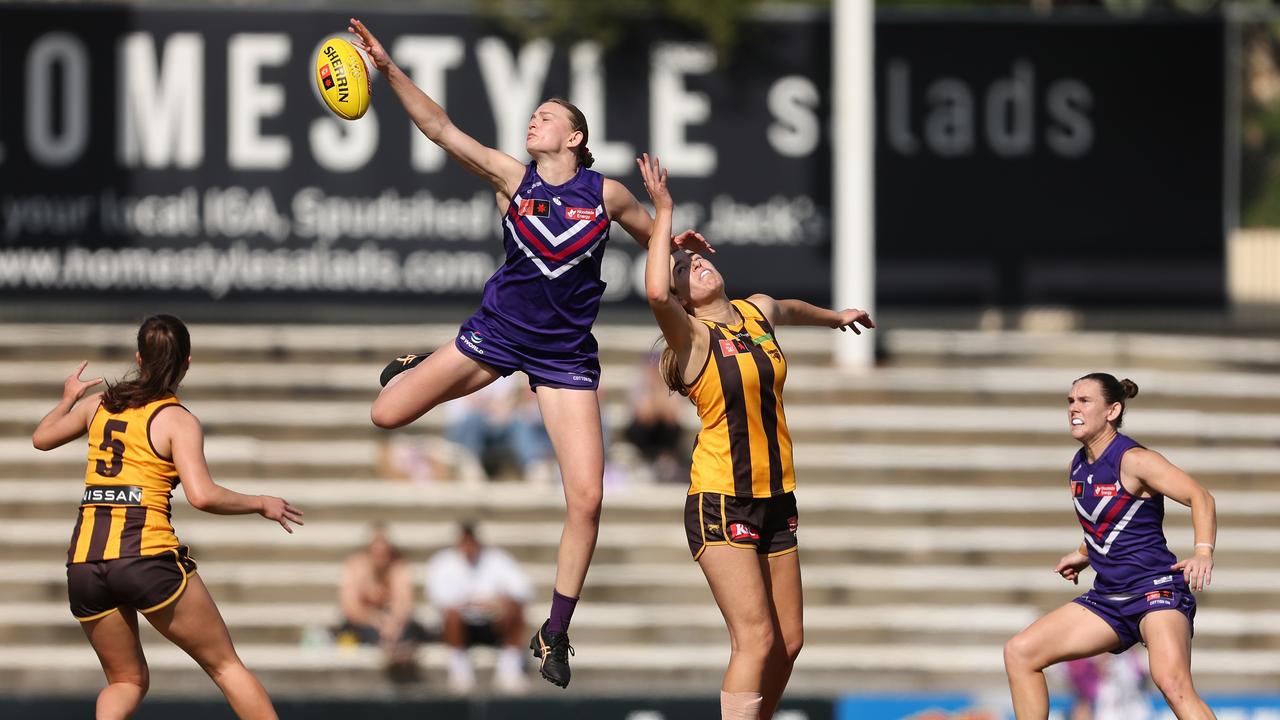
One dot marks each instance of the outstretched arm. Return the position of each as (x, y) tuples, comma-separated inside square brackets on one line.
[(671, 316), (69, 419), (186, 446), (799, 312), (500, 170), (623, 207)]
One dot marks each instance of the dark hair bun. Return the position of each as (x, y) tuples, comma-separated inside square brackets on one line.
[(586, 157), (1130, 388)]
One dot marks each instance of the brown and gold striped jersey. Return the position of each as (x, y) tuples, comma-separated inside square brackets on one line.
[(744, 447), (125, 509)]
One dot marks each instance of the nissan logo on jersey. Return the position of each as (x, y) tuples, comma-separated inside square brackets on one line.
[(112, 495)]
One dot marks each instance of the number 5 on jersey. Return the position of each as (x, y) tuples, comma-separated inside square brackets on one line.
[(115, 446)]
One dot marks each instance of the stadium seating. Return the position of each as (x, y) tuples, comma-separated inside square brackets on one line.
[(931, 496)]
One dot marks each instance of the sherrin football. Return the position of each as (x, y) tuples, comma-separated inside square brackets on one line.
[(343, 79)]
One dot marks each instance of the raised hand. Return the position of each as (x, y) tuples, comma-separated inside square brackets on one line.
[(278, 509), (73, 388), (850, 319), (369, 44), (655, 182), (692, 241)]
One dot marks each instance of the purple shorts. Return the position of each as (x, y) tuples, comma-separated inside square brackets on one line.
[(1124, 616), (576, 368)]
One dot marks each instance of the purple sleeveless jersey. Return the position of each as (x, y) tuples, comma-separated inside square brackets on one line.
[(1124, 534), (547, 293)]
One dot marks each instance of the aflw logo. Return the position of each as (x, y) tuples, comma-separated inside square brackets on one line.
[(112, 495)]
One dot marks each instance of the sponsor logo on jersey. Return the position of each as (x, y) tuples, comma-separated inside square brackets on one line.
[(573, 213), (727, 348), (1162, 580), (793, 523), (742, 531), (1157, 594), (556, 200), (1077, 489), (1104, 490), (112, 495), (535, 208), (762, 339), (473, 346), (580, 378)]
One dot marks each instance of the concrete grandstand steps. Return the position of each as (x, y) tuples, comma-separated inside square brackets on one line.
[(853, 583), (932, 505), (329, 342), (817, 463), (862, 666), (597, 624), (281, 419), (1096, 349), (817, 383)]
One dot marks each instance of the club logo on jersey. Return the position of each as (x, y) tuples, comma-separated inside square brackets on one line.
[(326, 77), (1077, 489), (573, 213), (535, 208), (742, 531), (112, 495), (1104, 490), (713, 529)]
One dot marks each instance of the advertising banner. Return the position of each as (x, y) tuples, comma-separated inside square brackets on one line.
[(185, 154), (1064, 159)]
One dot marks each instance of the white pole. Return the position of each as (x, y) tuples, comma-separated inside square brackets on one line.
[(853, 239)]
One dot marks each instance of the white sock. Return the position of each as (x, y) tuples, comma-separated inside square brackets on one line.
[(740, 705), (460, 666), (510, 661)]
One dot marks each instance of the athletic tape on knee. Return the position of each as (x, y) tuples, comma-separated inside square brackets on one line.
[(740, 705)]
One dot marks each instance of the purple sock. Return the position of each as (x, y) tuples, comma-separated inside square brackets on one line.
[(561, 612)]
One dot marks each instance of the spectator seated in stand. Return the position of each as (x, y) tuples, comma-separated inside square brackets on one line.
[(376, 597), (480, 593)]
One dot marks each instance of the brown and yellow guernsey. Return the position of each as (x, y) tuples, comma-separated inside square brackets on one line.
[(125, 510), (744, 448)]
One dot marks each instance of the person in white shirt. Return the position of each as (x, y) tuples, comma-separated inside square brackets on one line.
[(480, 594)]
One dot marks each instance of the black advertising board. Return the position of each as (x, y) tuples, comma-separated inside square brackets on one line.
[(1067, 160), (181, 156)]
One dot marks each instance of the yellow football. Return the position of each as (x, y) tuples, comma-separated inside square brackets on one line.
[(343, 79)]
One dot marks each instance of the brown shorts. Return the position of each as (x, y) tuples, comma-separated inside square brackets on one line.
[(146, 584), (766, 525)]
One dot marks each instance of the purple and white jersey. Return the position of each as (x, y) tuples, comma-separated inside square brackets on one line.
[(1124, 533), (547, 292)]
